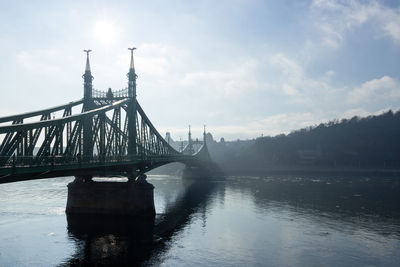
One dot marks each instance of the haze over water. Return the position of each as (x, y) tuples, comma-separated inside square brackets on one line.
[(253, 221)]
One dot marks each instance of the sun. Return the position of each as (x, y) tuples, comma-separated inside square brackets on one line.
[(105, 32)]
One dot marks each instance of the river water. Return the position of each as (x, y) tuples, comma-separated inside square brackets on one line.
[(240, 221)]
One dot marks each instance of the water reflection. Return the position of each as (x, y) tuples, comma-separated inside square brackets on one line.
[(360, 202), (252, 221), (107, 240), (110, 239), (352, 206)]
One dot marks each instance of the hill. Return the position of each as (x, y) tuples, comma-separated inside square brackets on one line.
[(370, 143)]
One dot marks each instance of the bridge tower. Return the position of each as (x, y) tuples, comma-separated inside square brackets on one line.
[(86, 147), (132, 134), (135, 197), (87, 84), (204, 136), (190, 149)]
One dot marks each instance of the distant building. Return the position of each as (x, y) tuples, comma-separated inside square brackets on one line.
[(209, 138), (168, 138)]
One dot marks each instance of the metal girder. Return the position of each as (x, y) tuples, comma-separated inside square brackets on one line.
[(45, 123), (59, 142), (22, 116), (111, 134)]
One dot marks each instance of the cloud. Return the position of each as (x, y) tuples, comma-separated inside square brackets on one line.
[(153, 65), (49, 76), (289, 90), (235, 98), (350, 113), (268, 125), (360, 112), (287, 122), (288, 66), (384, 88), (40, 61), (159, 59), (297, 86), (336, 18), (228, 82)]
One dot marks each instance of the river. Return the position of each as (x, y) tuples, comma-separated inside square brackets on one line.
[(239, 221)]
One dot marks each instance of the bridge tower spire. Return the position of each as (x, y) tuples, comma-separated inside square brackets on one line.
[(132, 110), (189, 136), (132, 76), (87, 144), (87, 83), (204, 135), (190, 143)]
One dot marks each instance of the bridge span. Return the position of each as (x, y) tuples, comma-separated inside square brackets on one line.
[(105, 134)]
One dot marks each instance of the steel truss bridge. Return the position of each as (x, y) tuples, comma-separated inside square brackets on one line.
[(107, 133)]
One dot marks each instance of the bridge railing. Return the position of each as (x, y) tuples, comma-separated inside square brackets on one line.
[(29, 161)]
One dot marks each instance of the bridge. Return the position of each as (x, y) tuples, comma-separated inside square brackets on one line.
[(105, 134)]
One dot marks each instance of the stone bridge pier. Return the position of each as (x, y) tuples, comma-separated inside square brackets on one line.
[(134, 198)]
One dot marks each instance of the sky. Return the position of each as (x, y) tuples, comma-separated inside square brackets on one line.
[(244, 68)]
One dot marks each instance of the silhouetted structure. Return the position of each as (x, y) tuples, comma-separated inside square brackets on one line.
[(112, 136)]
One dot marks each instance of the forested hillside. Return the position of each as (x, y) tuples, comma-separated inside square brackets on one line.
[(359, 143)]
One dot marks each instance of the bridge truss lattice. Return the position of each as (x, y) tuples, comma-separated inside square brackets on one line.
[(105, 133)]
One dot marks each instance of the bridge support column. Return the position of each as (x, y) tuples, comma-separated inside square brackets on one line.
[(119, 198)]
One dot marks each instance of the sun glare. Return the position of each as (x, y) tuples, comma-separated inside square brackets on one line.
[(105, 32)]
